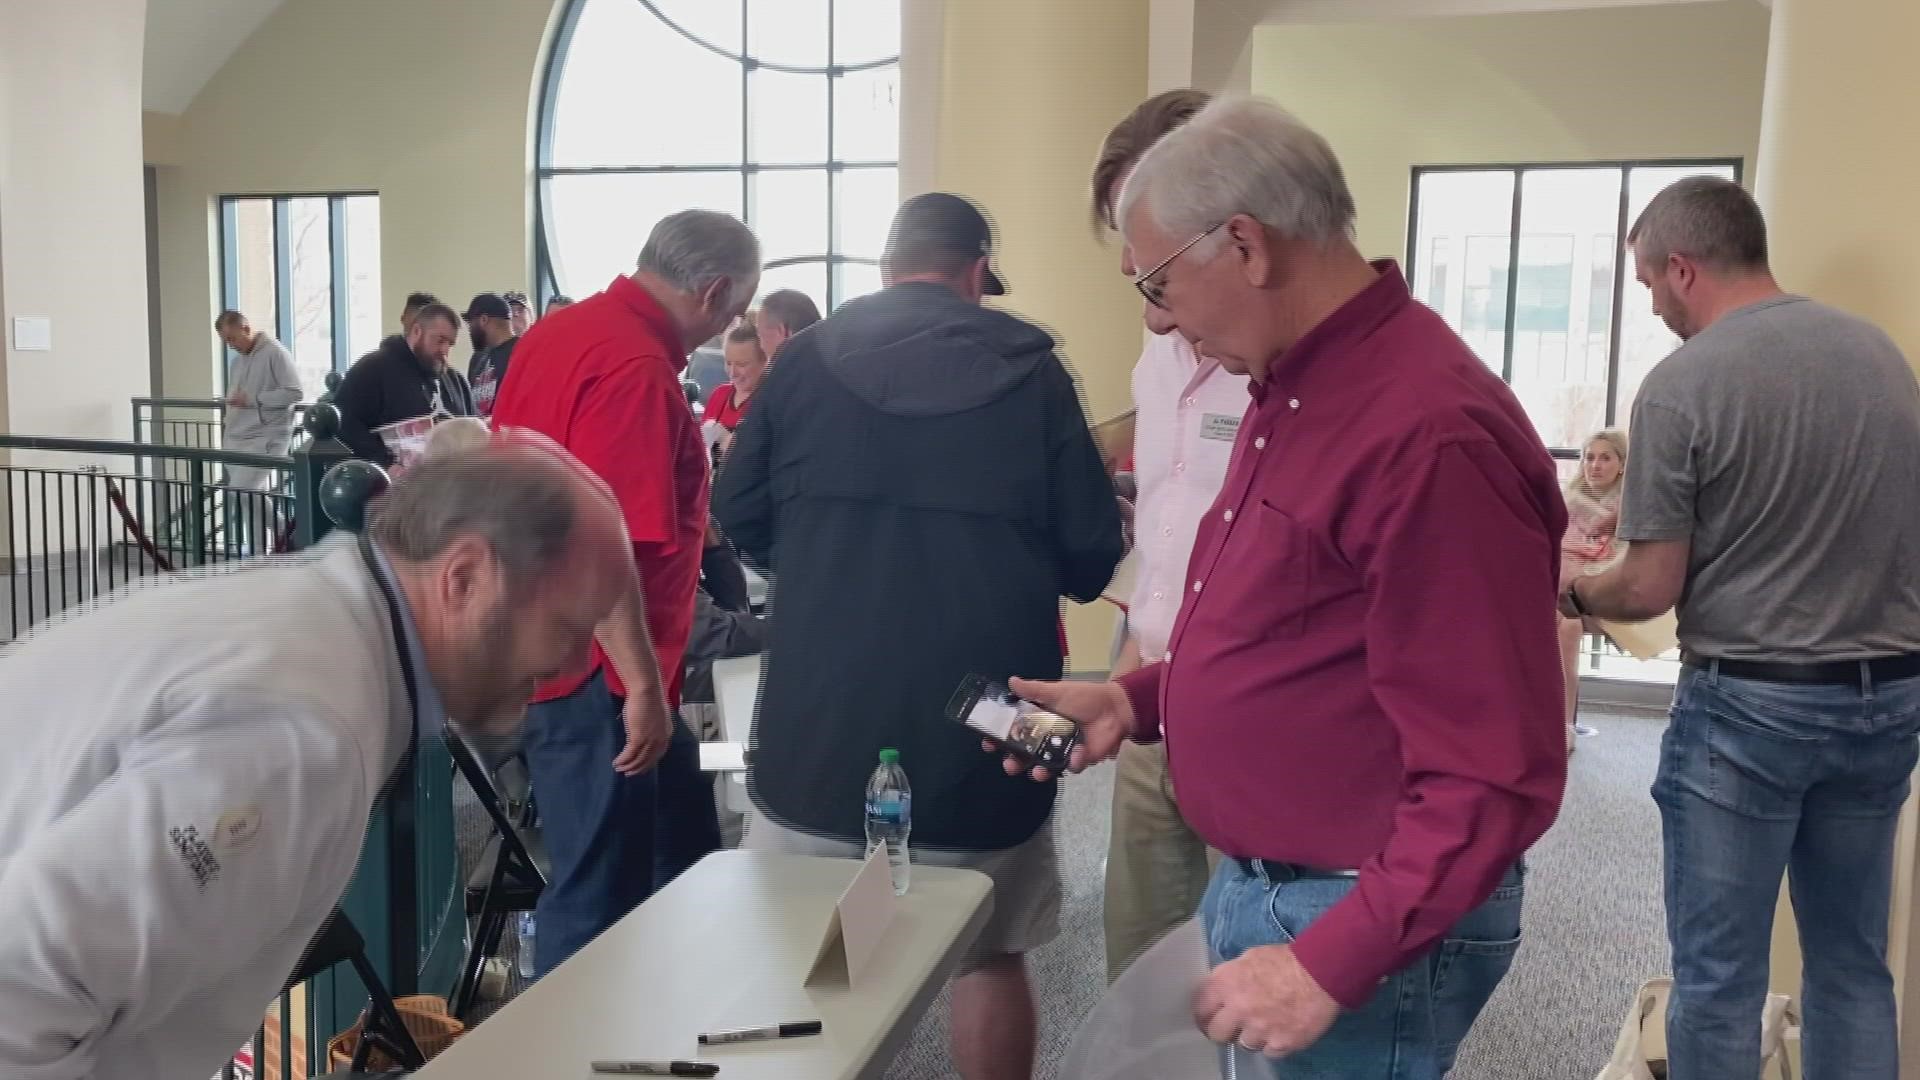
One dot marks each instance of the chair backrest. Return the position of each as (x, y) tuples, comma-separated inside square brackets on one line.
[(736, 691), (490, 799)]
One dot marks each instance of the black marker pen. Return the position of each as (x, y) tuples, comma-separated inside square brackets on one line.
[(657, 1068), (794, 1030)]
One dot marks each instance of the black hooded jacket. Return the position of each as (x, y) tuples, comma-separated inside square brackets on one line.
[(917, 474)]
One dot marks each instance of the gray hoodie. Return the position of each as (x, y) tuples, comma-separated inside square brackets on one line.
[(267, 376)]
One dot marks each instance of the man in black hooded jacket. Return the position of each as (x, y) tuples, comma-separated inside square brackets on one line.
[(918, 475), (406, 378)]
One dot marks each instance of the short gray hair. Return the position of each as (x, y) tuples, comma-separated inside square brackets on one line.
[(523, 506), (1712, 221), (692, 248), (1242, 155)]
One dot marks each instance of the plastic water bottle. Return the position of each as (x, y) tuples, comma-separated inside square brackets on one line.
[(890, 815), (524, 930)]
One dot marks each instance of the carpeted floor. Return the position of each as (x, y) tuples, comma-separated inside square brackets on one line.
[(1594, 926)]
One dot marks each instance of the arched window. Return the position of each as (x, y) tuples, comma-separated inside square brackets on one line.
[(783, 112)]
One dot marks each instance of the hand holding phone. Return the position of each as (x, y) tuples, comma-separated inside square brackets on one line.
[(1102, 714), (1018, 727)]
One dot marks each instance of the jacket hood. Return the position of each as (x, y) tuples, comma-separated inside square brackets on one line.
[(919, 349)]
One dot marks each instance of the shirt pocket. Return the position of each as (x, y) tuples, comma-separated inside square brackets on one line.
[(1260, 584)]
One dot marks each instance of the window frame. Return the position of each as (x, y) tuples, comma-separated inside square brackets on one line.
[(338, 316), (1519, 170), (546, 280)]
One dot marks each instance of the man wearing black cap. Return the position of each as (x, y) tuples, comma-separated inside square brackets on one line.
[(938, 493), (490, 326)]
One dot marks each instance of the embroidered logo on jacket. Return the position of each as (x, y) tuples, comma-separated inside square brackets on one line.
[(195, 853)]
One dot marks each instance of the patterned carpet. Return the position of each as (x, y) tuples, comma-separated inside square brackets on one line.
[(1594, 926)]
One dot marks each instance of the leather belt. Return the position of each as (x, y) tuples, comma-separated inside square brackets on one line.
[(1880, 669), (1276, 873)]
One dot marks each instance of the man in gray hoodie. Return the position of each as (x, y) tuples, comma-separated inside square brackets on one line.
[(262, 389)]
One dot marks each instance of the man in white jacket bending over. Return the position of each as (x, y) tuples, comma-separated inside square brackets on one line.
[(190, 767)]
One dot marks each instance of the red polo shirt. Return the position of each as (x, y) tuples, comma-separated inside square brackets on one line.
[(602, 378), (723, 409), (1364, 675)]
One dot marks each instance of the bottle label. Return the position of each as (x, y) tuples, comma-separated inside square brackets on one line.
[(893, 806)]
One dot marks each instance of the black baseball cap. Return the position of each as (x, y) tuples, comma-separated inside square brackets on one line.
[(938, 225), (488, 304)]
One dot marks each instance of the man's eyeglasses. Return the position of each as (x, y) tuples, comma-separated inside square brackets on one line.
[(1155, 292)]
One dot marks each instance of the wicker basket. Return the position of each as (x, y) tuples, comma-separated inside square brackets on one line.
[(426, 1019)]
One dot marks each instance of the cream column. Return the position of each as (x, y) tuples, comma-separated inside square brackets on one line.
[(1028, 90), (1836, 180)]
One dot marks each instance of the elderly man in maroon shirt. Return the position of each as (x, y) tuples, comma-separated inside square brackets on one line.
[(1361, 695)]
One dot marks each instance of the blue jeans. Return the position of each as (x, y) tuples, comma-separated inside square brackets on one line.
[(612, 839), (1413, 1025), (1758, 779)]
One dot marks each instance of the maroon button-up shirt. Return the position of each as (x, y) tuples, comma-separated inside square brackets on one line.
[(1364, 674)]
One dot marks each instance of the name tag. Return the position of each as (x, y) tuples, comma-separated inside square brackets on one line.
[(1219, 426)]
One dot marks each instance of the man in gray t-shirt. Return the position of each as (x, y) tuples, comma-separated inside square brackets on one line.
[(1771, 493)]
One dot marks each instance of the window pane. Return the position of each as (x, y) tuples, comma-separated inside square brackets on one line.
[(856, 279), (251, 277), (1567, 220), (596, 225), (364, 326), (864, 202), (808, 277), (1470, 213), (1644, 339), (789, 213), (866, 115), (789, 121), (865, 30), (620, 54), (792, 32), (716, 22), (310, 265)]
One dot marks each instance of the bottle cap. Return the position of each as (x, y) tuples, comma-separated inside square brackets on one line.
[(889, 756)]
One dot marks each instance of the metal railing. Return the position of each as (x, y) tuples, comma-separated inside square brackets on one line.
[(197, 423), (80, 518)]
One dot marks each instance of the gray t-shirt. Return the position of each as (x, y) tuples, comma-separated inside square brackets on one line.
[(1784, 441)]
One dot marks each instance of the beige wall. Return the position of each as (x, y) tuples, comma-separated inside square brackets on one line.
[(72, 216), (426, 102), (1058, 81), (1680, 80)]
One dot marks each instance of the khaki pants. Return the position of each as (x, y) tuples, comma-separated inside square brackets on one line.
[(1157, 869)]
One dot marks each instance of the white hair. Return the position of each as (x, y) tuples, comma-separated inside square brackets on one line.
[(1241, 155), (692, 248), (459, 434)]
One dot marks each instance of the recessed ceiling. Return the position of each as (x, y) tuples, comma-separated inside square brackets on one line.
[(189, 40)]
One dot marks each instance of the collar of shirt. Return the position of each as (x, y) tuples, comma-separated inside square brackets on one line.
[(430, 715), (1303, 368), (642, 303)]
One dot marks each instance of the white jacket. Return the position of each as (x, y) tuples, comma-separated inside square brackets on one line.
[(185, 783)]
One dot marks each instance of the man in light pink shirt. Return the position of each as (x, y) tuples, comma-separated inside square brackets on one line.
[(1187, 411)]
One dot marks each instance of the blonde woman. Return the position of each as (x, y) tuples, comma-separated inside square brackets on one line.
[(1593, 508)]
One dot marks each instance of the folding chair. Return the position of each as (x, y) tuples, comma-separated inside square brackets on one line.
[(512, 871), (339, 941)]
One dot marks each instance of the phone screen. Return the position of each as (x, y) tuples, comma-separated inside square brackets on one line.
[(1001, 715)]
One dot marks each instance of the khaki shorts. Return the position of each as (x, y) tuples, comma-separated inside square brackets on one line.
[(1026, 882)]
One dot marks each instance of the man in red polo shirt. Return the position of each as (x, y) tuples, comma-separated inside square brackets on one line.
[(602, 378)]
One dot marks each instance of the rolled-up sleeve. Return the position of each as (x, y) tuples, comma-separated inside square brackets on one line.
[(1462, 658)]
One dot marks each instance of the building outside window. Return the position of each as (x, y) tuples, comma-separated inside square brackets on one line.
[(1571, 331), (305, 268), (784, 113)]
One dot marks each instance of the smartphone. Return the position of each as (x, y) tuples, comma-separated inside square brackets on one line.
[(1014, 724)]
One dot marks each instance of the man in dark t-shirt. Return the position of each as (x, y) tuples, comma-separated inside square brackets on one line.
[(490, 326)]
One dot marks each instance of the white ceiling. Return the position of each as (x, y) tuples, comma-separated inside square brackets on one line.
[(189, 40)]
